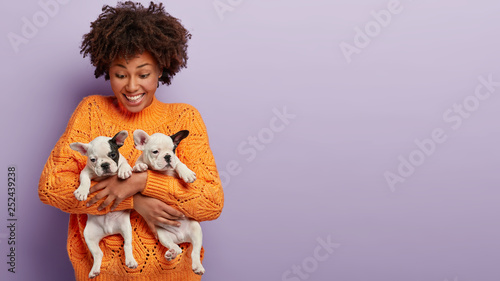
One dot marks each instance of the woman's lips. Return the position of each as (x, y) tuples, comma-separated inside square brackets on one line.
[(134, 99)]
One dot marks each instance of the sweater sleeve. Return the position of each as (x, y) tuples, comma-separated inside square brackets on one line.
[(203, 199), (61, 174)]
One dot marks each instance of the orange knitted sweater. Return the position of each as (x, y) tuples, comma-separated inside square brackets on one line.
[(201, 200)]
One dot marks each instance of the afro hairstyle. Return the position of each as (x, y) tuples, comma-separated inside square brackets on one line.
[(130, 29)]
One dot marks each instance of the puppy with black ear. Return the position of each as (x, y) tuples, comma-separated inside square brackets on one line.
[(158, 153), (104, 160)]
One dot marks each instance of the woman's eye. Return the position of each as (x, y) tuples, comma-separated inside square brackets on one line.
[(144, 76), (119, 76), (155, 151)]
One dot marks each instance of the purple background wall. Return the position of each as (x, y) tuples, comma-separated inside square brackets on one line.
[(389, 152)]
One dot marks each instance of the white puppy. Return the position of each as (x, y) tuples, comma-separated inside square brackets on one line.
[(104, 160), (158, 153)]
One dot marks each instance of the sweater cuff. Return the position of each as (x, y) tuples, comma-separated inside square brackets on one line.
[(160, 186), (126, 204)]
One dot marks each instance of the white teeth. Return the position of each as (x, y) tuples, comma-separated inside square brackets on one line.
[(133, 98)]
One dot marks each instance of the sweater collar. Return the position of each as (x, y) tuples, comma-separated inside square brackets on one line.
[(151, 115)]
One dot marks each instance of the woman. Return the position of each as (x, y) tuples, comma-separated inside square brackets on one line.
[(135, 48)]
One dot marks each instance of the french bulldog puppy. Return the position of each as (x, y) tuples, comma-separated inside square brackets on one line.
[(158, 153), (104, 160)]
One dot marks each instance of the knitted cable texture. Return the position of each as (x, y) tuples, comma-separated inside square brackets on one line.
[(201, 200)]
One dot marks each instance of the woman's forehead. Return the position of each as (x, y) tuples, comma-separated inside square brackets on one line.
[(137, 60)]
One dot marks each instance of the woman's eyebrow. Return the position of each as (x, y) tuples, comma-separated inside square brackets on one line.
[(142, 65)]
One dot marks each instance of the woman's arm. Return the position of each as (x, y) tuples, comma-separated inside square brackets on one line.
[(204, 198), (201, 200), (154, 211), (60, 176)]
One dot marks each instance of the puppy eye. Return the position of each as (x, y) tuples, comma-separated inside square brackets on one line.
[(92, 159), (112, 155), (155, 151)]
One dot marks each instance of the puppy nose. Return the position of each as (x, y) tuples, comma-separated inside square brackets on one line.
[(167, 158), (105, 165)]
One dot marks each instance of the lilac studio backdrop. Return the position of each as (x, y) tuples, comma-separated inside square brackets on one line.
[(356, 140)]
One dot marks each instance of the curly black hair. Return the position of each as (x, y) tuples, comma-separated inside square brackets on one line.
[(130, 29)]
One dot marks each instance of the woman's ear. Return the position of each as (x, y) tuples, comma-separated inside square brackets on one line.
[(159, 76), (160, 70)]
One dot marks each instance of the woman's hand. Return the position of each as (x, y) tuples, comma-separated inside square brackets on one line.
[(156, 212), (116, 190)]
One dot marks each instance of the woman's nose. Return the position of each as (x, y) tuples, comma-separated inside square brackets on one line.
[(132, 85)]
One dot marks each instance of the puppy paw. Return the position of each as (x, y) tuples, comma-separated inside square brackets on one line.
[(140, 167), (125, 172), (94, 273), (189, 178), (131, 263), (172, 253), (186, 175), (81, 194), (198, 269)]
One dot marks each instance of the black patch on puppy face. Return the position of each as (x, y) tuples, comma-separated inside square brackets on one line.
[(114, 154)]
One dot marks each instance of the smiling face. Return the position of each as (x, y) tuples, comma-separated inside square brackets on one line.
[(134, 82)]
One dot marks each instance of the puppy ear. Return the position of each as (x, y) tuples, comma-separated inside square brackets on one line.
[(80, 147), (140, 139), (177, 137), (119, 138)]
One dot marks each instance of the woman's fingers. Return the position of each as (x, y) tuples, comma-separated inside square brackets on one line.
[(152, 226), (96, 198), (172, 212), (98, 186), (116, 190), (164, 221), (106, 203), (115, 204)]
